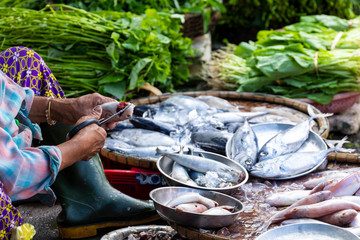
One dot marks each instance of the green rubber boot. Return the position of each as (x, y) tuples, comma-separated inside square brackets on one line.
[(89, 203)]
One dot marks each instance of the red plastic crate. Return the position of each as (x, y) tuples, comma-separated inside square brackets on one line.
[(135, 182)]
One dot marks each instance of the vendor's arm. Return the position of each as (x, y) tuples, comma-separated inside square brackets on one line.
[(66, 110), (26, 172)]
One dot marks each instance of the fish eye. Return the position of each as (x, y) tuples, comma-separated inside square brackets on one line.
[(248, 162), (263, 154)]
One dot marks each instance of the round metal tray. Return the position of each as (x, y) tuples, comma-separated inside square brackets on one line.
[(302, 231), (164, 164), (161, 196), (265, 131)]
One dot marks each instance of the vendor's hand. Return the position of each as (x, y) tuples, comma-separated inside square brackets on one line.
[(82, 106), (91, 138)]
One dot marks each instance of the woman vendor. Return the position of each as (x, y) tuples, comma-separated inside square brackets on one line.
[(30, 95)]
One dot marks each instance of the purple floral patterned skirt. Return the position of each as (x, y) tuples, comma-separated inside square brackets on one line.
[(28, 69), (9, 215)]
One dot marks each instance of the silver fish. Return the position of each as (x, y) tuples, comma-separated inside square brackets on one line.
[(195, 175), (230, 117), (212, 141), (203, 165), (143, 138), (289, 140), (243, 146), (149, 152), (180, 173), (217, 102), (289, 164)]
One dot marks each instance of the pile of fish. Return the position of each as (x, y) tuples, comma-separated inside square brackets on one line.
[(201, 123), (213, 124), (201, 171), (334, 199), (196, 203)]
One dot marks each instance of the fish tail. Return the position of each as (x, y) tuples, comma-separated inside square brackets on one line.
[(337, 149), (314, 115)]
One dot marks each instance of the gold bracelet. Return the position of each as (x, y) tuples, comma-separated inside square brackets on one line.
[(47, 113)]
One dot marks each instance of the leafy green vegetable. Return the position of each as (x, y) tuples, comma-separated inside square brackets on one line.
[(299, 62), (106, 52), (137, 7)]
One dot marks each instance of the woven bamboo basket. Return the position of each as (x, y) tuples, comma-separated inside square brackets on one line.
[(194, 24), (250, 99)]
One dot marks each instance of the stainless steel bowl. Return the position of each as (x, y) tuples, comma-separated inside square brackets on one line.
[(164, 165), (161, 196), (302, 231)]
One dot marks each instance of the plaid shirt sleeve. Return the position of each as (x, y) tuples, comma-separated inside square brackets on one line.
[(24, 170)]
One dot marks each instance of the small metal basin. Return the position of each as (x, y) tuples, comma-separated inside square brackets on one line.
[(161, 196), (164, 165)]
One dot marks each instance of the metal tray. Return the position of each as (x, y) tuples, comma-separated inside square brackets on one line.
[(303, 231), (164, 165), (161, 196), (265, 131)]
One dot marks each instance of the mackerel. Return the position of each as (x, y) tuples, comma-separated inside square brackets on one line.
[(289, 140), (243, 146), (289, 164), (180, 173)]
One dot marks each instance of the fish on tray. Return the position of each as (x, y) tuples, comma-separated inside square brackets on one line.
[(289, 164), (212, 141), (196, 203), (289, 140), (204, 165), (143, 138), (243, 146), (153, 125)]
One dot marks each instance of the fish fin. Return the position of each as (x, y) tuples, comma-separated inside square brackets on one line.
[(313, 115), (158, 152), (338, 145)]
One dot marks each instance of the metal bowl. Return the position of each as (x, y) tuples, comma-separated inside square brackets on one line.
[(265, 131), (308, 231), (123, 233), (164, 165), (161, 196)]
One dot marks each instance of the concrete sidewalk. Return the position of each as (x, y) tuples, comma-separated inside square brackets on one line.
[(44, 220)]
